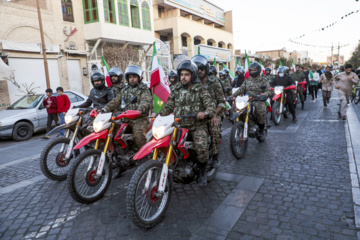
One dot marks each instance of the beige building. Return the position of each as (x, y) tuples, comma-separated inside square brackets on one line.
[(274, 54), (195, 26), (64, 38), (76, 33)]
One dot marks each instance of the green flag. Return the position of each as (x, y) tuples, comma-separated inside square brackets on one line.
[(214, 63), (199, 50), (238, 64), (230, 72), (280, 63)]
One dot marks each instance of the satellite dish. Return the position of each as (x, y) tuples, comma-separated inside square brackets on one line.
[(179, 59)]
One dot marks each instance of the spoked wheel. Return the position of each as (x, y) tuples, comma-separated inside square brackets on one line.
[(84, 185), (275, 114), (211, 170), (145, 205), (265, 131), (52, 159), (357, 96), (237, 143)]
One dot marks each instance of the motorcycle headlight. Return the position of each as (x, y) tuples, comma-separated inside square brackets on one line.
[(98, 126), (240, 105), (278, 91), (159, 132), (68, 119)]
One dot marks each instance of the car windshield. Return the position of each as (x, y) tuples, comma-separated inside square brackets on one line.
[(26, 102)]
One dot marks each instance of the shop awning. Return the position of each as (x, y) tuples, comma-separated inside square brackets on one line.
[(29, 47)]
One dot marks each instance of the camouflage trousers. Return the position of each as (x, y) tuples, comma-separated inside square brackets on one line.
[(260, 111), (215, 133), (139, 127), (200, 138), (301, 93)]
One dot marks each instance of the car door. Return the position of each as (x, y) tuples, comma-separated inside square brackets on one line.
[(41, 114)]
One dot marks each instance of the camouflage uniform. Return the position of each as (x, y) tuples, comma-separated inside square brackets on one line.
[(172, 86), (143, 104), (268, 77), (217, 95), (299, 77), (117, 88), (226, 83), (194, 99), (253, 87)]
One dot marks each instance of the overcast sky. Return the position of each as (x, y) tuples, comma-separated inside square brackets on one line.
[(268, 24)]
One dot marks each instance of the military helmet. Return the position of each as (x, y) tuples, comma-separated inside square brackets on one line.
[(133, 70), (222, 73), (257, 66), (212, 70), (239, 69), (173, 74), (201, 61), (190, 66), (116, 72), (286, 70), (97, 76), (281, 69), (226, 70)]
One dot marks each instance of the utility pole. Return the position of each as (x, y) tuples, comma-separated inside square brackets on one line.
[(43, 46)]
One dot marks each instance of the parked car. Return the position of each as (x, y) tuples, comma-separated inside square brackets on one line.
[(28, 115)]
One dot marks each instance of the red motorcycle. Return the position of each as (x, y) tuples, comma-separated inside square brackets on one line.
[(280, 107), (174, 159), (91, 173)]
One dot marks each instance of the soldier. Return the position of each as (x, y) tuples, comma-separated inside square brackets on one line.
[(134, 88), (100, 95), (173, 79), (240, 78), (299, 77), (227, 82), (217, 96), (268, 74), (188, 98), (252, 87), (116, 77)]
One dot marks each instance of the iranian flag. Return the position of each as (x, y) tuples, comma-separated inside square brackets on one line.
[(268, 105), (232, 76), (214, 63), (280, 63), (262, 68), (158, 83), (293, 65), (106, 72), (247, 64), (237, 63)]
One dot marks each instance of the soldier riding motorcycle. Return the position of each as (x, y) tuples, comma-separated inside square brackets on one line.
[(116, 76), (250, 117), (180, 150)]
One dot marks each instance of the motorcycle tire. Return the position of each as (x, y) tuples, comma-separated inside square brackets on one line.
[(276, 117), (211, 171), (238, 147), (80, 174), (286, 111), (265, 132), (56, 169), (140, 201)]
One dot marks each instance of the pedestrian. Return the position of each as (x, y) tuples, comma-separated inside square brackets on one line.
[(63, 105), (320, 74), (343, 82), (314, 81), (51, 108), (306, 73), (327, 85)]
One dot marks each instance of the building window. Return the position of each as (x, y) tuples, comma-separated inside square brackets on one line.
[(184, 41), (123, 12), (135, 17), (146, 16), (109, 11), (90, 11), (67, 10), (163, 38), (209, 43), (220, 45)]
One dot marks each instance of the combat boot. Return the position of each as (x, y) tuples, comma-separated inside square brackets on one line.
[(216, 162), (202, 180), (261, 132), (302, 105)]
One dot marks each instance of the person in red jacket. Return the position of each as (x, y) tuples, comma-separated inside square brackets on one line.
[(63, 105), (49, 103)]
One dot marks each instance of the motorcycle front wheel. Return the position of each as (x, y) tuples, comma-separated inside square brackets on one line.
[(275, 114), (145, 206), (52, 160), (83, 183), (237, 143)]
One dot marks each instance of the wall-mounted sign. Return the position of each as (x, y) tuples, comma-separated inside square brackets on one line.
[(221, 54), (199, 8)]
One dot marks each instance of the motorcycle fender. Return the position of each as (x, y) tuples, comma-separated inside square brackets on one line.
[(235, 116), (276, 97), (150, 146), (119, 134), (95, 135), (58, 128)]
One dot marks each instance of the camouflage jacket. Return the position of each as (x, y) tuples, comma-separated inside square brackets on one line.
[(252, 87), (268, 77), (183, 101), (226, 82), (216, 93), (298, 76), (143, 103), (172, 86), (117, 88)]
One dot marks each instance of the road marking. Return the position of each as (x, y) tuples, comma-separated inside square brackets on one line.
[(21, 184), (19, 161)]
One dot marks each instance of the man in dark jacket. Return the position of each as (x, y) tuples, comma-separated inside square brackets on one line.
[(51, 108), (240, 78)]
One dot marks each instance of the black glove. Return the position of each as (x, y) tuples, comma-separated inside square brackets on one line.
[(75, 107)]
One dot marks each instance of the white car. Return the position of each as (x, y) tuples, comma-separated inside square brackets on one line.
[(28, 115)]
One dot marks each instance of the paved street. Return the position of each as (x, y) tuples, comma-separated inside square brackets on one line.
[(301, 183)]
